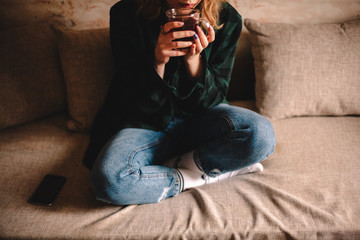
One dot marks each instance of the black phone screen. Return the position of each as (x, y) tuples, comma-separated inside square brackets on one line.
[(47, 191)]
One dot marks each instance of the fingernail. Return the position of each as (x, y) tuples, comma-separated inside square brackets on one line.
[(207, 25), (196, 36)]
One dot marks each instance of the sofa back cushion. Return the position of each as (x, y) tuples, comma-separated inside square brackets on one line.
[(88, 67), (31, 84), (306, 69)]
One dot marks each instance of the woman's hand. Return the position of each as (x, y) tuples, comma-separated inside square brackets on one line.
[(166, 47), (193, 59), (201, 41)]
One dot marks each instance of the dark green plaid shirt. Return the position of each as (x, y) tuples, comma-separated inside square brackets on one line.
[(138, 96)]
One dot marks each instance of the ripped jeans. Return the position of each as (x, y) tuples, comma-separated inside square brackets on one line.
[(225, 138)]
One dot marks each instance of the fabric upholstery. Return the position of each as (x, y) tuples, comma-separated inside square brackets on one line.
[(308, 190), (88, 67), (309, 69), (31, 85)]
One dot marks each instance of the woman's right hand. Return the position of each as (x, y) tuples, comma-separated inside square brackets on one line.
[(166, 47)]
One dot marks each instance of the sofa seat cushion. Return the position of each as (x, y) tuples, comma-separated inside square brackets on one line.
[(308, 190)]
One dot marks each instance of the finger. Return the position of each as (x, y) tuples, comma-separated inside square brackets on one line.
[(198, 44), (164, 54), (211, 36), (172, 25), (177, 53), (202, 37), (181, 44), (181, 34), (192, 50)]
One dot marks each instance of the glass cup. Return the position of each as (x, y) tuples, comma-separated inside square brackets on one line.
[(190, 18)]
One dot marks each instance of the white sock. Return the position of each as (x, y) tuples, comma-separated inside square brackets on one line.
[(257, 167), (194, 177)]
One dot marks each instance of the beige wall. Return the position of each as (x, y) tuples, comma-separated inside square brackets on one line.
[(72, 13), (94, 13), (299, 11)]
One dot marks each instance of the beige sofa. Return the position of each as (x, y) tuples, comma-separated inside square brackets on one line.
[(53, 81)]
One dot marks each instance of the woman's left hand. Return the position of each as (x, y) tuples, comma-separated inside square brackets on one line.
[(192, 58), (201, 41)]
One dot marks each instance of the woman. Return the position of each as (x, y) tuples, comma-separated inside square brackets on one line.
[(166, 102)]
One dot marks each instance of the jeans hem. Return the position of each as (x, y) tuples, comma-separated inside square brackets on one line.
[(180, 180)]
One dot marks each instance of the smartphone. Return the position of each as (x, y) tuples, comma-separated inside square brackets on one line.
[(47, 191)]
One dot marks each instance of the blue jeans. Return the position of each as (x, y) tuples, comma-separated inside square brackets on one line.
[(225, 138)]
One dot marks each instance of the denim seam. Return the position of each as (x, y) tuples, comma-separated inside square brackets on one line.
[(230, 122), (138, 150), (155, 175), (179, 181)]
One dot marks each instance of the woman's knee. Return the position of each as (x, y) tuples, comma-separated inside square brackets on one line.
[(257, 134), (113, 188), (110, 182), (265, 134), (262, 140)]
